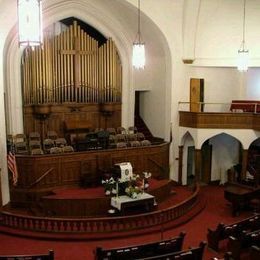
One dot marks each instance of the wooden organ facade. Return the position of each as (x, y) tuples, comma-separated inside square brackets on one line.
[(71, 78)]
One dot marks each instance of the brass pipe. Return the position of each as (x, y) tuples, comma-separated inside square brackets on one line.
[(71, 65), (55, 86), (79, 63), (68, 66), (62, 69), (64, 66), (75, 65)]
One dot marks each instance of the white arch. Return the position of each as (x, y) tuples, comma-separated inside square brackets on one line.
[(95, 14), (245, 136)]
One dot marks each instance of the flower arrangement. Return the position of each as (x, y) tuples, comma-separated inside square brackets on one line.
[(133, 192), (132, 187), (109, 186)]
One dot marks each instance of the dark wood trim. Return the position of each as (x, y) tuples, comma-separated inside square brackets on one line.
[(197, 164), (219, 120), (244, 164), (180, 164)]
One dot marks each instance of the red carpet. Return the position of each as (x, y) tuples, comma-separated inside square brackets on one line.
[(94, 192), (217, 210)]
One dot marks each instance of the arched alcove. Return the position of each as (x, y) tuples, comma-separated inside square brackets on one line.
[(188, 163), (223, 151)]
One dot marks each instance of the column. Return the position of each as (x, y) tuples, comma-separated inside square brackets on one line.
[(244, 164), (180, 164), (197, 164)]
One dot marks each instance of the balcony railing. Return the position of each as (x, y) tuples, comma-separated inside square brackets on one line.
[(237, 115)]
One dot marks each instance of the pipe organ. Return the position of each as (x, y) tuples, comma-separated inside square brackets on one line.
[(71, 77), (70, 67)]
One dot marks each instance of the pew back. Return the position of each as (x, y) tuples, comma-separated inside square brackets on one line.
[(235, 229), (254, 253), (49, 256), (194, 253), (252, 106), (143, 250), (245, 241)]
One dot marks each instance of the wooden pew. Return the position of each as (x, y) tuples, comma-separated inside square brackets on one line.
[(194, 253), (254, 253), (224, 231), (227, 256), (252, 106), (245, 241), (49, 256), (143, 250)]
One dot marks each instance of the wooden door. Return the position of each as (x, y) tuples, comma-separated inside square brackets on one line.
[(206, 155), (196, 94)]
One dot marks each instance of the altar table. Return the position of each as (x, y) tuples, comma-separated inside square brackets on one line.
[(143, 202)]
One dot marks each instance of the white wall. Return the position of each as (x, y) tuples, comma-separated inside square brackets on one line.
[(225, 153), (253, 84)]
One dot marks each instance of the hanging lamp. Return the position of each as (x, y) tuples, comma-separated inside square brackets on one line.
[(243, 52), (138, 58), (30, 22)]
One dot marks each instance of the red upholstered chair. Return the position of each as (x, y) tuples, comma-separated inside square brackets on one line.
[(121, 145), (34, 136), (47, 145), (52, 135), (60, 142)]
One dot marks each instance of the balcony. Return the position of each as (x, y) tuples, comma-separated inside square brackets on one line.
[(220, 115)]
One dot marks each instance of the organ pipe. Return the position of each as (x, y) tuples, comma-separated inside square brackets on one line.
[(71, 67)]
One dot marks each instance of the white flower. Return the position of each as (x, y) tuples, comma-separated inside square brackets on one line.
[(147, 175), (111, 180), (107, 192), (134, 195)]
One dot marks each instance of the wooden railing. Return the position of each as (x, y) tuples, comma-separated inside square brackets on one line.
[(104, 224), (220, 115)]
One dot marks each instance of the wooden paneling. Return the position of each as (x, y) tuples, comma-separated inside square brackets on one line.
[(66, 168), (86, 114), (220, 120)]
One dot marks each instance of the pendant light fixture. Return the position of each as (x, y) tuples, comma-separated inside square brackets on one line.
[(243, 52), (138, 47), (30, 22)]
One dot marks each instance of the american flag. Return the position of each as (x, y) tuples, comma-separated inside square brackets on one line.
[(11, 163)]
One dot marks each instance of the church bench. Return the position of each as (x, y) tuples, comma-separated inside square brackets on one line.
[(252, 106), (247, 239), (142, 250), (227, 256), (254, 253), (49, 256), (223, 231), (194, 253)]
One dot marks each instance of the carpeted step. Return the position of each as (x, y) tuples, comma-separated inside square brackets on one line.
[(197, 208)]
